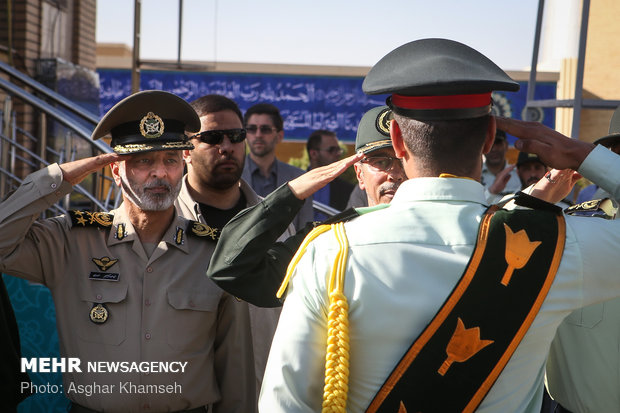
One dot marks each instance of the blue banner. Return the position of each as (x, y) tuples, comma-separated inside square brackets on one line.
[(306, 102)]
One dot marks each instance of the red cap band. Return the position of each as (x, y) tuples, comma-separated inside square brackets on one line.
[(442, 102)]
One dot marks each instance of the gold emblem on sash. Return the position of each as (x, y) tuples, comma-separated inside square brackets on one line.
[(463, 345), (519, 250), (151, 126), (98, 314)]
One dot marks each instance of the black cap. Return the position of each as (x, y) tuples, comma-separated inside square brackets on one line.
[(151, 120), (525, 157), (373, 131), (500, 135), (435, 79), (614, 131)]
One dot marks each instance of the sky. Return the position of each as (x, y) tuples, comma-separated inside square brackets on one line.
[(319, 32)]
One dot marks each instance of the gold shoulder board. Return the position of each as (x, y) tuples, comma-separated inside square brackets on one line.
[(91, 219)]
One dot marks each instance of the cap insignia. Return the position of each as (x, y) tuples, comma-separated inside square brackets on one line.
[(383, 121), (151, 126), (99, 313)]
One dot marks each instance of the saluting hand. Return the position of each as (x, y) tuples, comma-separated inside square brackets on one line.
[(74, 172), (553, 148), (307, 184), (501, 180), (555, 185)]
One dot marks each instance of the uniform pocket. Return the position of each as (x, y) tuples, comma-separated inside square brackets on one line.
[(587, 317), (195, 315), (112, 298)]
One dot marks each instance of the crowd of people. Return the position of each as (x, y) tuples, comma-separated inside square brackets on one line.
[(457, 282)]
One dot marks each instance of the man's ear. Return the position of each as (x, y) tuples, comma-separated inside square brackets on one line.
[(490, 138), (397, 139), (187, 156), (280, 136), (115, 168), (359, 174)]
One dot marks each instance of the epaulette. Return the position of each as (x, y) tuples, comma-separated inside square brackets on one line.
[(601, 208), (204, 231), (91, 219)]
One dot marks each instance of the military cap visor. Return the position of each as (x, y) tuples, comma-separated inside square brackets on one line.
[(373, 131), (150, 120), (525, 157), (434, 79), (614, 131)]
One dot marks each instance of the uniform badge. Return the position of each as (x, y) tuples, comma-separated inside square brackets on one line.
[(104, 263), (151, 126), (203, 230), (99, 313)]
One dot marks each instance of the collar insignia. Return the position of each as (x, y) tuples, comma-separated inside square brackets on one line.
[(120, 232), (99, 313), (178, 238), (151, 126), (104, 263)]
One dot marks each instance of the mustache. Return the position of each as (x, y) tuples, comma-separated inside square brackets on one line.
[(158, 183), (388, 186)]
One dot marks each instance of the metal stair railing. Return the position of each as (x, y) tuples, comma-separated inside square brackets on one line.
[(16, 143)]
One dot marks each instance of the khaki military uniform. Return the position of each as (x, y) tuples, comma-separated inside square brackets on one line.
[(160, 308), (263, 320)]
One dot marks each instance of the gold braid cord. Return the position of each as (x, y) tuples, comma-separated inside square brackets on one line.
[(337, 355)]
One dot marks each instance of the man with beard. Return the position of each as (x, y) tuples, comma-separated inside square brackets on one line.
[(250, 264), (213, 192), (498, 177), (129, 285), (262, 170), (530, 169)]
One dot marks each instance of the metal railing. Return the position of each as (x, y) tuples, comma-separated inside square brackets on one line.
[(64, 130)]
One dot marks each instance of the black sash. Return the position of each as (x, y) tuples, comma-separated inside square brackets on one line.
[(453, 364)]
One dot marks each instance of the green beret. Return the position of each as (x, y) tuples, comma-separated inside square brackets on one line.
[(434, 79), (151, 120)]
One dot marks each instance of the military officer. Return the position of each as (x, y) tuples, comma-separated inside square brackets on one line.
[(583, 369), (248, 264), (129, 285), (413, 297)]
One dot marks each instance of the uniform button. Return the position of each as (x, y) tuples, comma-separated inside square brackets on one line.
[(147, 302), (99, 296), (147, 336), (54, 186), (149, 269)]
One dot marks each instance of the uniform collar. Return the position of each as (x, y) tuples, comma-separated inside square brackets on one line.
[(440, 189), (123, 231)]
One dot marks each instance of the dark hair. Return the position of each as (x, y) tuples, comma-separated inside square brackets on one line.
[(314, 140), (450, 146), (265, 109), (215, 103)]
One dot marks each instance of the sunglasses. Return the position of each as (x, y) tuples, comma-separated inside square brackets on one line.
[(215, 137), (382, 163), (264, 129)]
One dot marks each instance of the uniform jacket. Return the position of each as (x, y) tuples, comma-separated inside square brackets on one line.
[(161, 308), (263, 320), (403, 261)]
